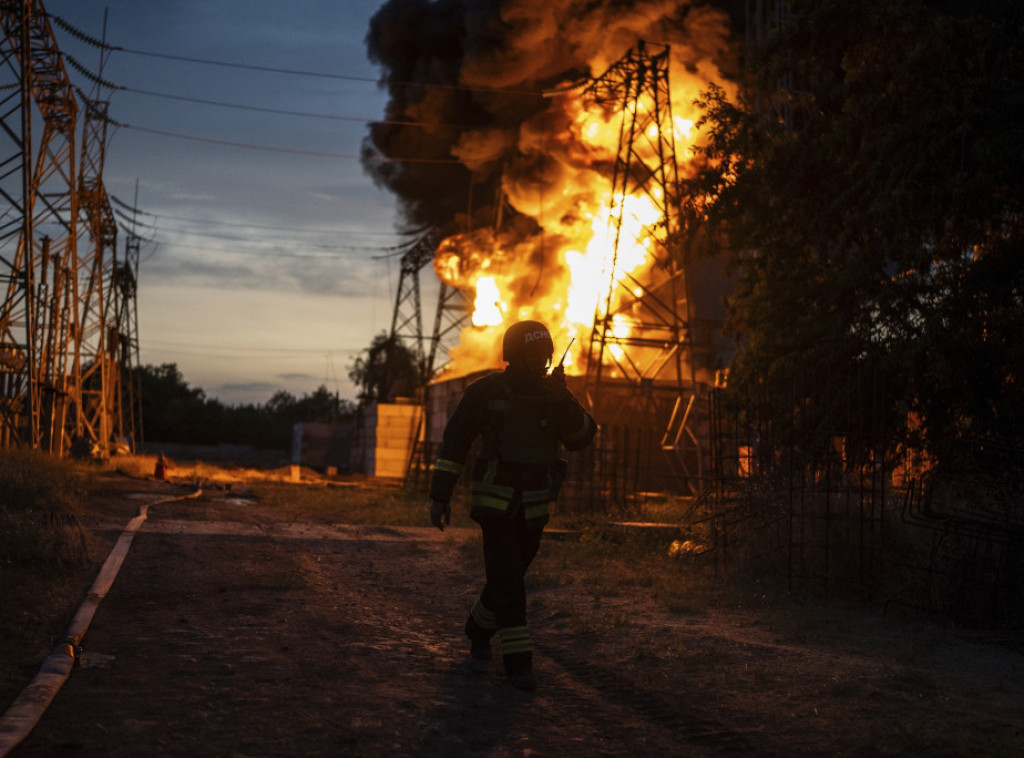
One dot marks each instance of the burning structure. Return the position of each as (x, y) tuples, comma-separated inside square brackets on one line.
[(544, 143)]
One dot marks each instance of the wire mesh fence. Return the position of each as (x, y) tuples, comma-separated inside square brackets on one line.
[(853, 514)]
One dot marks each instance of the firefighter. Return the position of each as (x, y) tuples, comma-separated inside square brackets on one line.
[(521, 415)]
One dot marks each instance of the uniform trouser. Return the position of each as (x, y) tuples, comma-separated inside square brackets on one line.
[(509, 548)]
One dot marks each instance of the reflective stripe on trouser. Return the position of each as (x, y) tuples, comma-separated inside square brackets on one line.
[(484, 618), (515, 639), (452, 467)]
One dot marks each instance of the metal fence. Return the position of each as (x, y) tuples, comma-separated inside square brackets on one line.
[(843, 514)]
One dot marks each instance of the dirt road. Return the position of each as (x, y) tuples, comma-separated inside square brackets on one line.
[(235, 634)]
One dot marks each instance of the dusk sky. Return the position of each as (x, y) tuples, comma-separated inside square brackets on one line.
[(266, 262)]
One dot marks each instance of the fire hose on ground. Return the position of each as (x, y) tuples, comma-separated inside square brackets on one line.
[(28, 708)]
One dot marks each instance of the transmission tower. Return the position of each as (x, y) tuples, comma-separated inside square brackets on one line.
[(453, 307), (98, 420), (640, 366), (37, 233), (407, 318), (126, 338), (454, 310)]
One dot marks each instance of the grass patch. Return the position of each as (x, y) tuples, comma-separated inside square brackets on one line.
[(44, 557), (30, 480), (355, 501), (39, 508)]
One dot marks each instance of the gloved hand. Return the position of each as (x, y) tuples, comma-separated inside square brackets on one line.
[(555, 386), (440, 514)]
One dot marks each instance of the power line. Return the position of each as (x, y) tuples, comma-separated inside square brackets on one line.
[(246, 66), (291, 151), (326, 246), (323, 75), (255, 254), (263, 350), (275, 70), (284, 228), (285, 112)]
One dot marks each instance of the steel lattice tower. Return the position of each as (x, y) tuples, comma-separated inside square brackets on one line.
[(407, 318), (452, 313), (654, 303), (98, 420), (128, 401), (37, 233), (640, 363), (454, 309)]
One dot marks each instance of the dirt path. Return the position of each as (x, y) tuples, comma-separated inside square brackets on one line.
[(238, 635)]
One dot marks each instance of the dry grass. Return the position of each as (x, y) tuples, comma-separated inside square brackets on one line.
[(44, 552)]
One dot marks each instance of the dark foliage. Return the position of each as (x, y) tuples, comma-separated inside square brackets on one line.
[(869, 184), (174, 412), (387, 369)]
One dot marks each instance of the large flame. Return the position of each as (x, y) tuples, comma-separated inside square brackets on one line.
[(574, 263)]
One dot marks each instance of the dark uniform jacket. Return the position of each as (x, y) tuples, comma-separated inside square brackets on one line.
[(521, 420)]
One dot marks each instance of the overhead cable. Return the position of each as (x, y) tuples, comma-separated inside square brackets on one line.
[(325, 246), (130, 209), (253, 350), (132, 232), (291, 151), (304, 229), (131, 219), (282, 112), (338, 256), (323, 75), (293, 72)]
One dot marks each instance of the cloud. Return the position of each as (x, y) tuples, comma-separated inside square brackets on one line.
[(298, 268), (240, 387)]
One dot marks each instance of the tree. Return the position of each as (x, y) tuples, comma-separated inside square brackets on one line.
[(386, 369), (869, 184), (172, 411), (175, 412)]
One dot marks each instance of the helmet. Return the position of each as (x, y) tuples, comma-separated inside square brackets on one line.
[(526, 336)]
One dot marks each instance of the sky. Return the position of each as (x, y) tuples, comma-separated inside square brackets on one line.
[(269, 256)]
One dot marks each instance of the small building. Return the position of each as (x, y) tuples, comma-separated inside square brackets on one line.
[(385, 438), (324, 447)]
